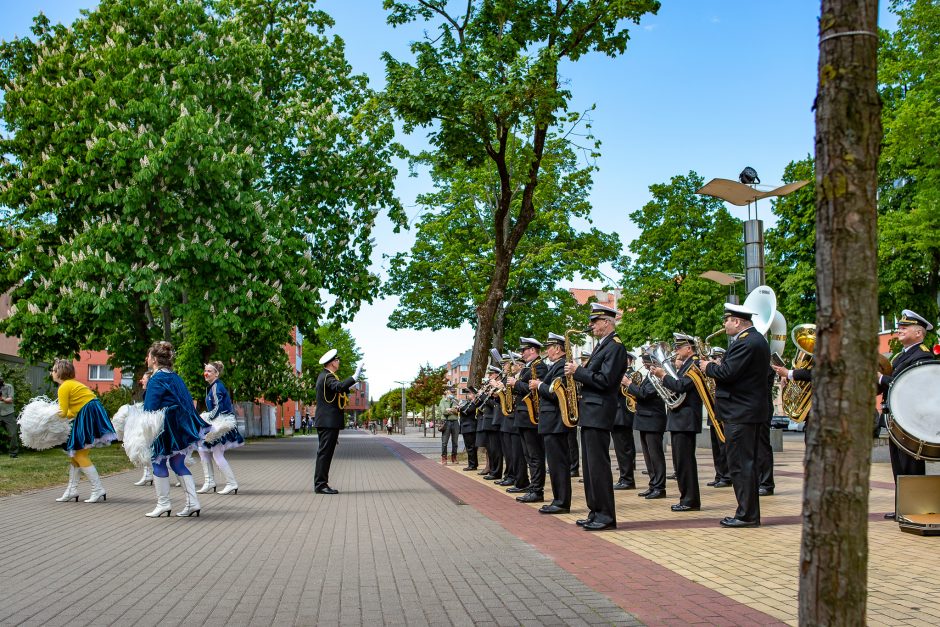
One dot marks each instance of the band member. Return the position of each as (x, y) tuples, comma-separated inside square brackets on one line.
[(912, 328), (492, 423), (796, 374), (600, 384), (479, 431), (765, 452), (468, 428), (650, 421), (526, 418), (332, 397), (684, 423), (622, 434), (742, 404), (516, 475), (553, 430), (719, 457)]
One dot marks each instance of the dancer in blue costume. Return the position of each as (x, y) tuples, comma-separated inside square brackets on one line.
[(182, 429), (218, 402)]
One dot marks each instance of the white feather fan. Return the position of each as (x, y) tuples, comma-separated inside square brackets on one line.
[(42, 425)]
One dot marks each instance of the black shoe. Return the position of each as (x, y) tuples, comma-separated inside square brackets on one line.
[(672, 476), (326, 490), (712, 484), (645, 493), (722, 484), (553, 509), (679, 507), (531, 497), (890, 516), (646, 472), (580, 480), (484, 472), (469, 468), (734, 523), (515, 490), (620, 485), (583, 521), (492, 477), (765, 492), (656, 494), (599, 526), (575, 473), (505, 482)]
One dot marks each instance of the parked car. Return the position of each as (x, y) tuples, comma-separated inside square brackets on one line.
[(779, 422), (796, 426)]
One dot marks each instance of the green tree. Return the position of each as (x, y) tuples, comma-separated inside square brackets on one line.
[(207, 165), (909, 168), (487, 78), (324, 338), (682, 234), (791, 247), (427, 389), (445, 277)]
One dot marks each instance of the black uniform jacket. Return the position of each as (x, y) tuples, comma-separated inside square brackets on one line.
[(624, 417), (802, 374), (688, 415), (492, 414), (650, 407), (468, 416), (329, 388), (600, 383), (549, 414), (521, 389), (901, 362), (742, 395)]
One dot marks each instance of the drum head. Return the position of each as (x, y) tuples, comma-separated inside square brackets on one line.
[(914, 399)]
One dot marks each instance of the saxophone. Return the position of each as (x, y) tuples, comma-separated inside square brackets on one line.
[(636, 377), (507, 399), (565, 387), (531, 399)]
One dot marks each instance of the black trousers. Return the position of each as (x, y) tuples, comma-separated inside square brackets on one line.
[(574, 451), (327, 439), (683, 460), (719, 456), (742, 443), (559, 468), (520, 469), (506, 439), (765, 458), (494, 453), (904, 464), (470, 443), (450, 432), (654, 458), (598, 480), (625, 449), (535, 448)]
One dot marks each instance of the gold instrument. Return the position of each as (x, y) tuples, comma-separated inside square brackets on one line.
[(507, 396), (797, 396), (531, 399), (662, 357), (705, 385), (636, 377), (566, 389)]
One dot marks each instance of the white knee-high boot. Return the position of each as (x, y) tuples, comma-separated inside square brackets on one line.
[(97, 490), (192, 501), (162, 486), (71, 490), (147, 478), (205, 458), (231, 486)]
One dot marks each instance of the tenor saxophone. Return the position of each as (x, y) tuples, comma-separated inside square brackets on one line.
[(566, 388), (636, 377)]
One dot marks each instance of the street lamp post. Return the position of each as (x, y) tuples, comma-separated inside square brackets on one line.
[(403, 414)]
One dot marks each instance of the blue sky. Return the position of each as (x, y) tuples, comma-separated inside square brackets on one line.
[(710, 86)]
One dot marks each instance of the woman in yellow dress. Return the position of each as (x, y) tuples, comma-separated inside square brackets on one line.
[(90, 427)]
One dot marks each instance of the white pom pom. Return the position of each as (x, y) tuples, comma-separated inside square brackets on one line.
[(221, 424), (140, 430), (120, 419), (42, 425)]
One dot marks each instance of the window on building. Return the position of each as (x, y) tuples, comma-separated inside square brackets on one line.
[(463, 379), (100, 373)]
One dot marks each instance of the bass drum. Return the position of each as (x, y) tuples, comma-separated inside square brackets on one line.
[(914, 400)]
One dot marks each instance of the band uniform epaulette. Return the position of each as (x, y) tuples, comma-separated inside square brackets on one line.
[(617, 339), (924, 348), (744, 335)]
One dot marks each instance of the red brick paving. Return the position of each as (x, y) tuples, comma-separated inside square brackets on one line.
[(654, 594)]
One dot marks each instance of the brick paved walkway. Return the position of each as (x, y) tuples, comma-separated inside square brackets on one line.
[(390, 549)]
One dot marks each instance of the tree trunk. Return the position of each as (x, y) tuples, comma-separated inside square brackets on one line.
[(834, 551), (486, 315)]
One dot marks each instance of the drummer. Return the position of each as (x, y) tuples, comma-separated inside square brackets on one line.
[(912, 329)]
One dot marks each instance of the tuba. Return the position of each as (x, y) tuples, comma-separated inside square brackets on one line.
[(768, 321), (796, 396), (705, 385), (659, 353), (566, 388)]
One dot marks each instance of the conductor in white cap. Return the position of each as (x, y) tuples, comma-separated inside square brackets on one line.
[(332, 398)]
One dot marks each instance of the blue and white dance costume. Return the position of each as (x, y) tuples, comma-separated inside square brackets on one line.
[(218, 402), (183, 428)]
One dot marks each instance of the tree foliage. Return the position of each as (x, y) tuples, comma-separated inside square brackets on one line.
[(209, 166), (487, 78), (682, 234), (428, 388), (444, 278), (327, 337)]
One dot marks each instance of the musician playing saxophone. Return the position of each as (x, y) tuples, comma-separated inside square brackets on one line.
[(600, 385), (492, 422), (683, 423), (650, 421), (622, 435), (509, 434), (526, 418), (552, 430)]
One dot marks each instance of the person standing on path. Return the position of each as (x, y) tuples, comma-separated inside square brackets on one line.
[(91, 426), (218, 401), (450, 421), (8, 417), (332, 398)]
